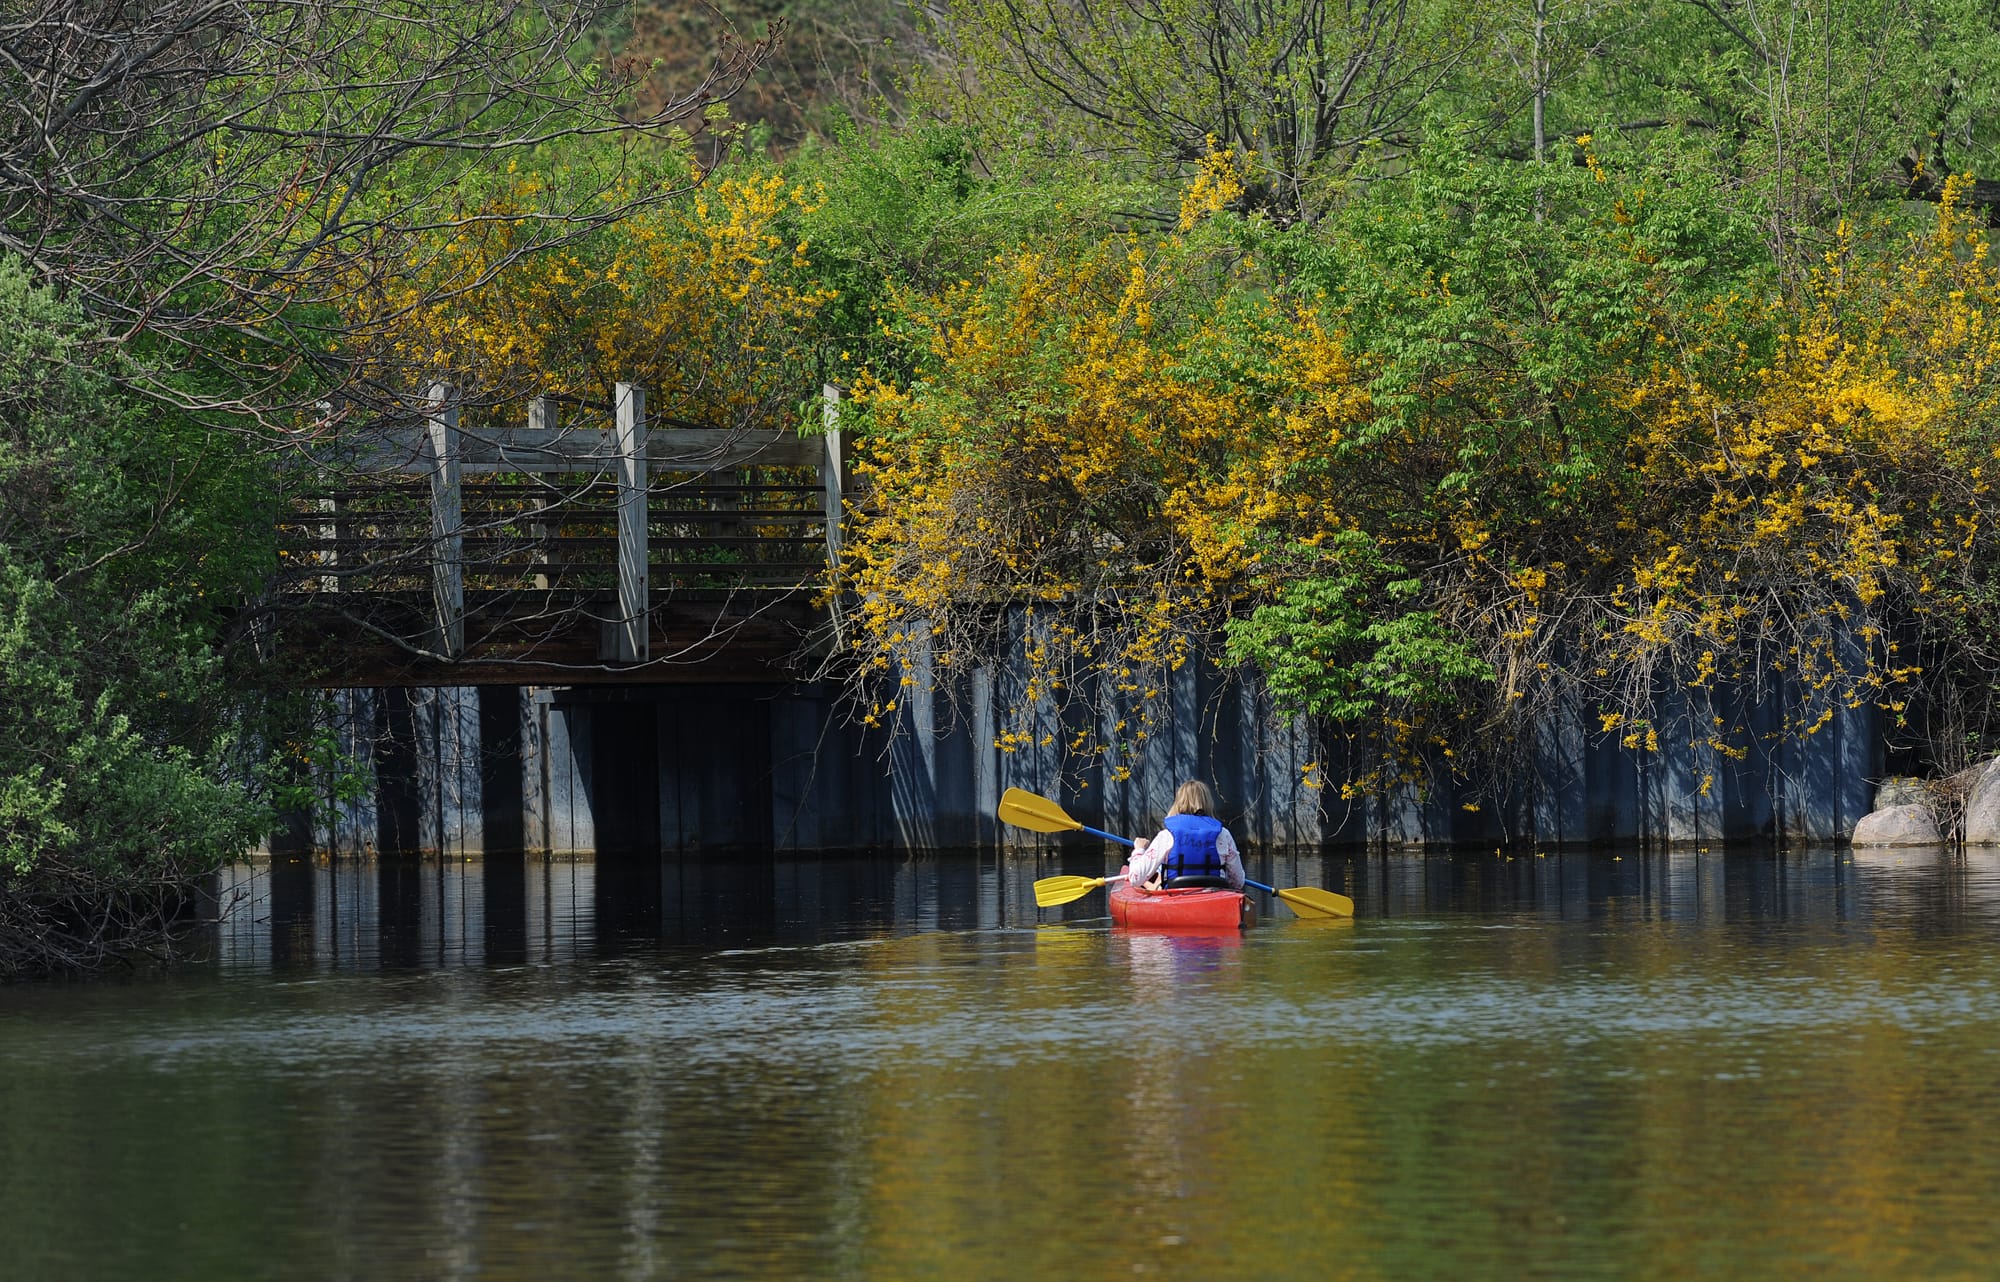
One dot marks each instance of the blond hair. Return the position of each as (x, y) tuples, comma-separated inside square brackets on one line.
[(1192, 798)]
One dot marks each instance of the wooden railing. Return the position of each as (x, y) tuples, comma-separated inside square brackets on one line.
[(443, 524)]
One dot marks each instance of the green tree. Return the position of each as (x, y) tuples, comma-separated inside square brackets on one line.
[(210, 181), (1806, 113), (128, 764), (1302, 89), (1343, 641), (904, 214)]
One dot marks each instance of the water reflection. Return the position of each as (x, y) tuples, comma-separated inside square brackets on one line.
[(357, 915), (1633, 1065), (1936, 886), (509, 910), (364, 914)]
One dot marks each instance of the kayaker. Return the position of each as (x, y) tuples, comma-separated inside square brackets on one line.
[(1191, 843)]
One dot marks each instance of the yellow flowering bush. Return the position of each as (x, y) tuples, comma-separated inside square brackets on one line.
[(1495, 447), (702, 301), (1487, 452)]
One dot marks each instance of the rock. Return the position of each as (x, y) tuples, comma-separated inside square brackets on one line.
[(1909, 825), (1901, 790), (1982, 808)]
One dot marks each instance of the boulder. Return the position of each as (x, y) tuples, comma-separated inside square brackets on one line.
[(1982, 807), (1901, 790), (1909, 825)]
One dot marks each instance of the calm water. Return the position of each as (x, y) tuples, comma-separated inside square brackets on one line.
[(1642, 1067)]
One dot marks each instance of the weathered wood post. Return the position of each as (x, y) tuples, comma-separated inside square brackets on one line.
[(541, 430), (633, 596), (829, 470), (832, 493), (447, 523), (328, 535)]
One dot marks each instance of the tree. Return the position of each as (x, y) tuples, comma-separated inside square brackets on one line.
[(841, 60), (193, 196), (1811, 112), (1300, 89), (128, 763), (703, 302), (209, 178), (1494, 444)]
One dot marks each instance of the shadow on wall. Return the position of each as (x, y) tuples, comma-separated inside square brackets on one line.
[(678, 769)]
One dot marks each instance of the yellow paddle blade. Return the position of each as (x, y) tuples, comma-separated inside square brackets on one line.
[(1050, 891), (1024, 809), (1310, 901)]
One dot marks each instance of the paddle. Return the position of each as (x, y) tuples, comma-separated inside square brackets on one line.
[(1309, 901), (1050, 891), (1024, 809)]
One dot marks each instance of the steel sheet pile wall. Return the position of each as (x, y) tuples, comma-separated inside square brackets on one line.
[(670, 768)]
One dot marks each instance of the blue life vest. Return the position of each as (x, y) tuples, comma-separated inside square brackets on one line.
[(1194, 853)]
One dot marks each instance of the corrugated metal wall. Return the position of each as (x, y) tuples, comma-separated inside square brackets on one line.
[(787, 768)]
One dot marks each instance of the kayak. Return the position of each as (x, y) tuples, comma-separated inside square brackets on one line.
[(1202, 908)]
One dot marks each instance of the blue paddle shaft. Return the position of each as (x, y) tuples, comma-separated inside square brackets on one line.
[(1269, 890)]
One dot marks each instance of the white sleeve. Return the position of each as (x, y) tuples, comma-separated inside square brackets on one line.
[(1143, 866), (1232, 859)]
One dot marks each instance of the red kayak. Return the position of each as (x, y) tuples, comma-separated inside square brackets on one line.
[(1202, 908)]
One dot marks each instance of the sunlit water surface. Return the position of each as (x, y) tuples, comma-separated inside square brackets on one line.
[(1581, 1066)]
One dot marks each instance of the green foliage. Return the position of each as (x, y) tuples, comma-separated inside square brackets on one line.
[(1505, 313), (268, 163), (1299, 90), (121, 754), (84, 784), (907, 214), (1344, 640), (1807, 113)]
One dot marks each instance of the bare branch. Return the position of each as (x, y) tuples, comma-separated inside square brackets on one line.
[(209, 178)]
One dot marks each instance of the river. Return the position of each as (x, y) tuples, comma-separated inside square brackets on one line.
[(1604, 1066)]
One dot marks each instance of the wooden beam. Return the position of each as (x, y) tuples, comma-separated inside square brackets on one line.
[(634, 598), (447, 523), (541, 419), (829, 469), (546, 449), (328, 542)]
